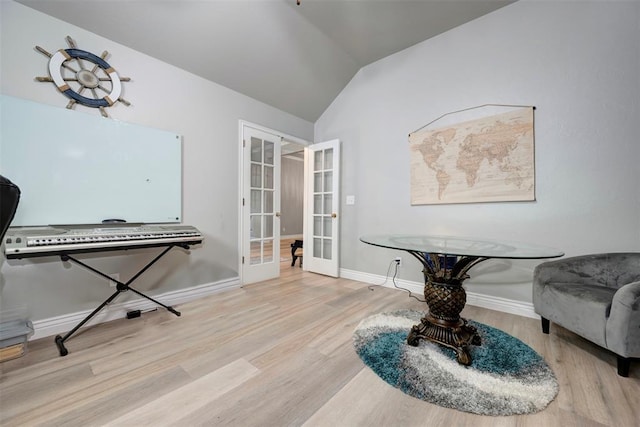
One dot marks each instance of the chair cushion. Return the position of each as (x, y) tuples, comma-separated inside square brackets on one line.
[(583, 309)]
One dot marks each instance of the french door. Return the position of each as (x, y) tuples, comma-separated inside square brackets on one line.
[(322, 219), (260, 205)]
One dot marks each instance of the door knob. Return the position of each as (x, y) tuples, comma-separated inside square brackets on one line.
[(334, 215)]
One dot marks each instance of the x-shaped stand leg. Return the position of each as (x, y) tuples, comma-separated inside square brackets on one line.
[(120, 287)]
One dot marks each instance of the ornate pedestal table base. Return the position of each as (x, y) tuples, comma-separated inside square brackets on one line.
[(443, 323)]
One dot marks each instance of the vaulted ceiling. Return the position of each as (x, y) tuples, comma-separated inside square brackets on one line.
[(294, 57)]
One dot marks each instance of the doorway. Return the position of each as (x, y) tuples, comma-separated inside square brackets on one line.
[(292, 195), (267, 159), (261, 224)]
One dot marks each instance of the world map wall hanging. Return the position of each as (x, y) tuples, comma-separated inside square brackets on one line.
[(486, 159)]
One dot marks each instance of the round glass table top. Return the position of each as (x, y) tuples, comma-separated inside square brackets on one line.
[(450, 245)]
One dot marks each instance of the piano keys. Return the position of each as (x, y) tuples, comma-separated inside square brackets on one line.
[(23, 242)]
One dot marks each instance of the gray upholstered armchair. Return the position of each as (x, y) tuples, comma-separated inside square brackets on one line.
[(595, 296)]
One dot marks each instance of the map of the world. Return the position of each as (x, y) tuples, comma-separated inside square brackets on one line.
[(490, 159)]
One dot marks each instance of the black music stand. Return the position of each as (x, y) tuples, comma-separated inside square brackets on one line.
[(120, 287)]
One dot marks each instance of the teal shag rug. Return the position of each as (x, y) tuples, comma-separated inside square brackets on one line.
[(506, 377)]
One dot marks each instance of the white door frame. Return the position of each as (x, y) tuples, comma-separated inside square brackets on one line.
[(241, 173)]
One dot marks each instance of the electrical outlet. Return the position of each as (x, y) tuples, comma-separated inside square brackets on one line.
[(398, 261), (114, 276)]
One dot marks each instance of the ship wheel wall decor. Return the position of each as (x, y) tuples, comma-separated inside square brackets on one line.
[(84, 78)]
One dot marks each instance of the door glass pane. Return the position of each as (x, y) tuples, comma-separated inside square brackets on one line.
[(326, 246), (255, 255), (268, 251), (317, 226), (317, 182), (256, 175), (256, 150), (256, 201), (317, 161), (317, 248), (256, 226), (317, 203), (328, 159), (268, 226), (328, 209), (268, 152), (268, 202), (328, 181), (327, 226), (268, 177)]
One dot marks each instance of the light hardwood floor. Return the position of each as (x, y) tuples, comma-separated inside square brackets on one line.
[(279, 353)]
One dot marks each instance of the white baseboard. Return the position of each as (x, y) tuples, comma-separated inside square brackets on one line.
[(504, 305), (292, 236), (59, 324)]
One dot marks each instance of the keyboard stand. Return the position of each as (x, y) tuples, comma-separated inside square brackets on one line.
[(120, 287)]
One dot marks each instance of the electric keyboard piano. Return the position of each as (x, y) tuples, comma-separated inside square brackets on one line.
[(64, 241), (47, 241)]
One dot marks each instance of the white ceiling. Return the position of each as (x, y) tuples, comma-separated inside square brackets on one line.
[(295, 58)]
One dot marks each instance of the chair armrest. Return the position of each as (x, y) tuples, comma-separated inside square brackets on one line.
[(623, 326), (628, 296)]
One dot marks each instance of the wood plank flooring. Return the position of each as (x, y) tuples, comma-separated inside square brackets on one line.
[(279, 353)]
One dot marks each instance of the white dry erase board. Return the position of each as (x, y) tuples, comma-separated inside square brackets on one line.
[(75, 168)]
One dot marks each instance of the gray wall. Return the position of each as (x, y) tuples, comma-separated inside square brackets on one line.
[(162, 97), (292, 197), (577, 62)]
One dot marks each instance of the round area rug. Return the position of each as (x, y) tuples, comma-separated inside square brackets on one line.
[(506, 377)]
